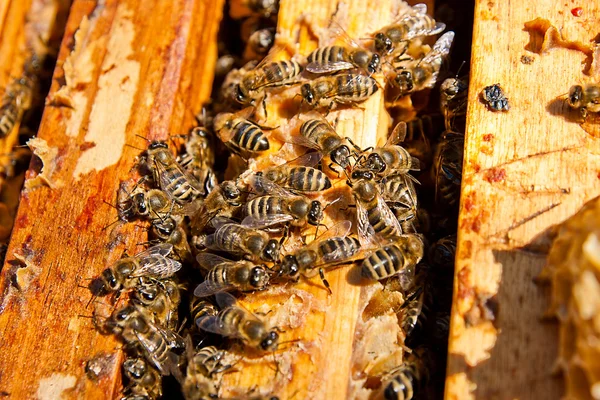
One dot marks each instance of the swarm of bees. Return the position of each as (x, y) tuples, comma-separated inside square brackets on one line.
[(215, 239)]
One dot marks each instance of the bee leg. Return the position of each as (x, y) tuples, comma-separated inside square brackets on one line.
[(325, 281), (332, 167), (264, 104)]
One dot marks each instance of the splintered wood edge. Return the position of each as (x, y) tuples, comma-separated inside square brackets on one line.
[(524, 170), (322, 359), (154, 64)]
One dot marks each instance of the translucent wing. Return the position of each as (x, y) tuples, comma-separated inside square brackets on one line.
[(366, 233), (189, 209), (165, 177), (217, 222), (419, 9), (307, 159), (340, 229), (225, 300), (157, 266), (336, 31), (441, 48), (163, 249), (397, 135), (209, 288), (262, 185), (208, 260), (266, 221), (329, 67), (213, 324)]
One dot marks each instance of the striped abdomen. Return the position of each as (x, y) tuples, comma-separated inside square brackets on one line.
[(179, 186), (280, 72), (228, 238), (201, 309), (402, 385), (354, 87), (343, 247), (321, 133), (232, 319), (306, 179), (384, 262), (207, 361), (377, 221), (248, 137), (9, 116), (263, 206), (328, 54)]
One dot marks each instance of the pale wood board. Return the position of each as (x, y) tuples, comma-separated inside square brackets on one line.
[(144, 69), (517, 164)]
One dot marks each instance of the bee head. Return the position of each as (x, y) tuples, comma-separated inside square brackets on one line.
[(110, 283), (575, 96), (146, 294), (231, 192), (290, 267), (158, 144), (376, 163), (383, 44), (139, 204), (340, 155), (163, 229), (240, 95), (315, 214), (308, 93), (404, 81), (374, 64), (270, 342), (359, 174), (271, 250), (135, 368), (259, 277)]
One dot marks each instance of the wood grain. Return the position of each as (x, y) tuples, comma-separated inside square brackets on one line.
[(125, 68), (524, 171)]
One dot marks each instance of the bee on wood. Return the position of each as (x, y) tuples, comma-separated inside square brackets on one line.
[(330, 59), (410, 25), (278, 206), (18, 97), (375, 221), (136, 327), (327, 91), (413, 75), (453, 102), (224, 201), (399, 257), (144, 380), (199, 158), (267, 74), (125, 273), (240, 240), (161, 298), (181, 186), (405, 381), (334, 247), (585, 98), (299, 175), (447, 168), (240, 135), (234, 321), (495, 99), (390, 158), (226, 275)]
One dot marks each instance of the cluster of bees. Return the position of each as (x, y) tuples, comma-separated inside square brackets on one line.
[(249, 233)]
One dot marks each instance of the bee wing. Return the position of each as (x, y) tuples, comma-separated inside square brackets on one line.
[(225, 300), (297, 140), (209, 288), (217, 222), (329, 67), (212, 324), (159, 266), (339, 34), (340, 229), (262, 185), (307, 159), (441, 48), (366, 233), (266, 221), (208, 260), (397, 135), (162, 249), (165, 179), (419, 9)]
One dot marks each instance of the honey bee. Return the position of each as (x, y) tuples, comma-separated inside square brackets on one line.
[(391, 158), (299, 175), (161, 298), (221, 202), (182, 187), (585, 98), (330, 59), (334, 247), (405, 381), (241, 135), (496, 100), (240, 240), (453, 102), (234, 321), (200, 309), (151, 204), (375, 221), (199, 158), (410, 25), (279, 206), (327, 91), (261, 41), (125, 273), (267, 74), (399, 257), (262, 8), (136, 327), (447, 168), (443, 252), (18, 97), (198, 386), (414, 307), (226, 275), (400, 195), (414, 75), (207, 361), (144, 380), (170, 230)]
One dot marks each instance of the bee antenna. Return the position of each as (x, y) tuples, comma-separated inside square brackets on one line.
[(145, 138), (459, 68), (137, 148), (111, 224), (110, 204)]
